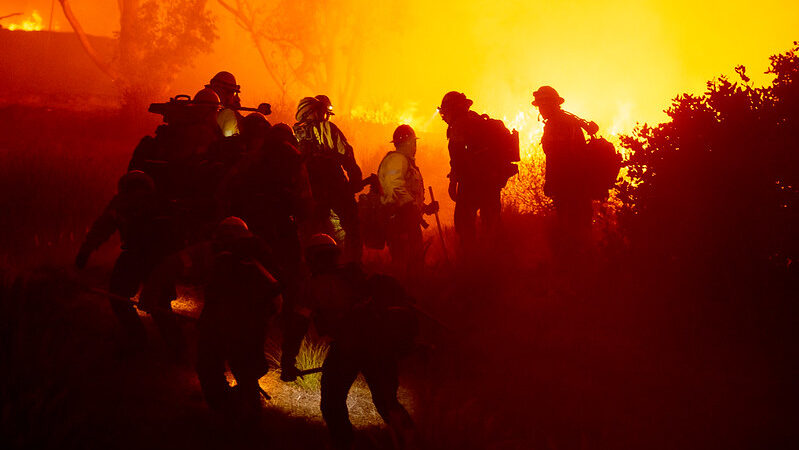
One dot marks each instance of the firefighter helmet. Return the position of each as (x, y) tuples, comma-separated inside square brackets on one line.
[(546, 95), (231, 228), (319, 244), (206, 96), (326, 104), (454, 100), (309, 110), (403, 133), (254, 125), (135, 181), (224, 80)]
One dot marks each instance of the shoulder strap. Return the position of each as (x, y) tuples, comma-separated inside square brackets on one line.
[(590, 127)]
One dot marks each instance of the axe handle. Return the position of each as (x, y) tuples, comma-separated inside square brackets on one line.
[(438, 224), (302, 373)]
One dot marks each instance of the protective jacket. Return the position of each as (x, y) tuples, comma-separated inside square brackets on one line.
[(326, 152), (400, 180)]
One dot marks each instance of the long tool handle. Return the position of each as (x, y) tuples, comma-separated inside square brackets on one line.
[(438, 224)]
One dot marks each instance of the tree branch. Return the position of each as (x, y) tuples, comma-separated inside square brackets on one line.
[(87, 46)]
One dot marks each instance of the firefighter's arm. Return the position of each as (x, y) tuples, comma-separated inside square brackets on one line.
[(102, 229), (456, 147), (348, 162)]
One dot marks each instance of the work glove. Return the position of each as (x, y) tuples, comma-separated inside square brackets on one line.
[(82, 259), (288, 373), (431, 208), (453, 190)]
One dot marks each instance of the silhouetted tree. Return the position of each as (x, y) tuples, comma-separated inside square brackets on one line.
[(155, 40), (717, 186), (311, 44)]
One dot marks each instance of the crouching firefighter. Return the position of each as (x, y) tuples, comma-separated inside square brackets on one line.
[(146, 231), (371, 327), (240, 296), (402, 189)]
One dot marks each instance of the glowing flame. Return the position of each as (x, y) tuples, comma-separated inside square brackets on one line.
[(31, 23)]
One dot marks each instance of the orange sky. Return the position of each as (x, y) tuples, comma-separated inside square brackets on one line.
[(616, 62)]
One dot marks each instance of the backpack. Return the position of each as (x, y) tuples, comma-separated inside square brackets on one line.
[(497, 138), (603, 165)]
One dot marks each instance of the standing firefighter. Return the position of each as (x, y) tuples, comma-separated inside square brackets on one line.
[(177, 159), (371, 327), (224, 84), (146, 233), (240, 295), (482, 154), (565, 183), (327, 157), (403, 199)]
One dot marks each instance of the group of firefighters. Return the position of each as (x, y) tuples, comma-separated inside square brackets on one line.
[(247, 209)]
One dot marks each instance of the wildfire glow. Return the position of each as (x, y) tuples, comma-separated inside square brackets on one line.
[(30, 23)]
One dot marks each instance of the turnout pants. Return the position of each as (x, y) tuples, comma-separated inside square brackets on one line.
[(339, 371), (405, 243), (240, 345), (473, 198)]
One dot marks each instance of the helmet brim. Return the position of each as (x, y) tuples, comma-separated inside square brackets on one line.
[(547, 101), (234, 87), (399, 142), (449, 106)]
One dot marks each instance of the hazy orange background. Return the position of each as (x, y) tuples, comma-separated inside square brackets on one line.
[(614, 61)]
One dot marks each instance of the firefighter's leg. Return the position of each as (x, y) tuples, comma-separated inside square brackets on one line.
[(415, 253), (490, 207), (397, 240), (211, 366), (381, 374), (294, 326), (465, 218), (248, 364), (125, 280), (338, 373)]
